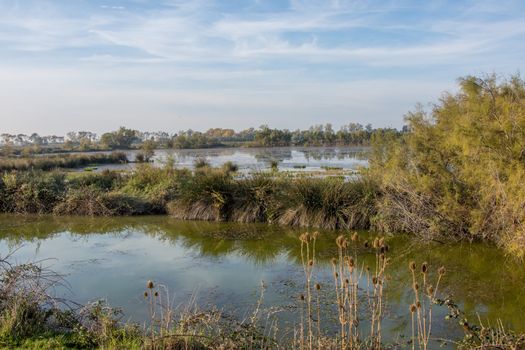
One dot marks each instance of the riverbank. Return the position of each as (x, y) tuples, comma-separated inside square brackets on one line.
[(223, 194), (217, 194), (62, 161)]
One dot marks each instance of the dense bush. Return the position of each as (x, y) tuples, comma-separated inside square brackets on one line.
[(157, 186), (257, 198), (31, 192), (329, 203), (459, 171), (205, 195), (105, 180)]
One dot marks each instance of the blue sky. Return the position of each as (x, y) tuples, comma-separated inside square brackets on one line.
[(171, 65)]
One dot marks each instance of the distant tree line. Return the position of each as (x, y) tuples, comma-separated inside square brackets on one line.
[(352, 134)]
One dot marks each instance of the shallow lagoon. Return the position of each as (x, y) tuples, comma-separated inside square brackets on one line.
[(253, 159), (223, 264)]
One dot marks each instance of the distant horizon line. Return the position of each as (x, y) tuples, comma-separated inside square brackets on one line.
[(203, 131)]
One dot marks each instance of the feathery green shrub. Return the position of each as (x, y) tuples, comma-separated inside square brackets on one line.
[(459, 171)]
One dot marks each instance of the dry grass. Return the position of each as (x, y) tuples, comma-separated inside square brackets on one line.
[(51, 162)]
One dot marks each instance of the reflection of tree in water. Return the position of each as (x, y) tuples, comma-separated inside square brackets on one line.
[(318, 154), (479, 276), (212, 152), (189, 155), (334, 153), (269, 155), (265, 155)]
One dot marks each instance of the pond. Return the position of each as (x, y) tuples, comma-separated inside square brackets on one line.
[(249, 159), (223, 264)]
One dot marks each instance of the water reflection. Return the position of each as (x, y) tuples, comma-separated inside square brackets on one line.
[(112, 257), (309, 158)]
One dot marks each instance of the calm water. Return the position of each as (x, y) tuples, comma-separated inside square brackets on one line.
[(112, 258), (289, 158)]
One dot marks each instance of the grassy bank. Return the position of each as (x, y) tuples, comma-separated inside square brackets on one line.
[(61, 161), (346, 312), (203, 194)]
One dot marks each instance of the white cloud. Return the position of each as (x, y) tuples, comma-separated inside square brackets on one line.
[(197, 65)]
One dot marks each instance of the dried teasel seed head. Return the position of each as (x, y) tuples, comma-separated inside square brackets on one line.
[(301, 297), (315, 235), (351, 262), (341, 242), (413, 308), (355, 237), (302, 238), (342, 319), (150, 284), (424, 268), (418, 305), (381, 241), (376, 243), (367, 244), (367, 268), (374, 280), (311, 263), (412, 266), (334, 261), (382, 256), (145, 294), (441, 270), (415, 286), (156, 294), (347, 281), (336, 275), (430, 290), (317, 286)]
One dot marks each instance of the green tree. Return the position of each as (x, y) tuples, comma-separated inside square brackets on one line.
[(459, 170), (148, 149), (123, 138)]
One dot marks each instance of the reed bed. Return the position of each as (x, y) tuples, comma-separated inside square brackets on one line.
[(62, 161), (213, 194)]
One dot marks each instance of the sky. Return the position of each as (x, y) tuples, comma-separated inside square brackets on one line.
[(69, 65)]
